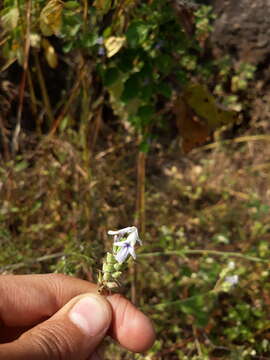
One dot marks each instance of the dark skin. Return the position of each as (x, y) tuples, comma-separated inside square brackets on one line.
[(28, 301)]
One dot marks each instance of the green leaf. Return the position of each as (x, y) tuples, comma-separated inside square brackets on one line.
[(146, 92), (131, 88), (67, 47), (136, 34), (164, 89), (89, 39), (125, 61), (146, 113), (144, 146), (71, 5), (164, 63), (21, 166), (110, 76)]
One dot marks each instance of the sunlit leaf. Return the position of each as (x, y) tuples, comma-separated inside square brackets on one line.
[(51, 18), (9, 20), (71, 5), (50, 54), (113, 44), (103, 5)]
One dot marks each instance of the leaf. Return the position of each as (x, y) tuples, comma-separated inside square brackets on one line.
[(204, 105), (193, 132), (113, 44), (198, 115), (103, 5), (50, 19), (22, 165), (137, 33), (131, 88), (50, 54), (110, 77), (9, 19), (71, 5)]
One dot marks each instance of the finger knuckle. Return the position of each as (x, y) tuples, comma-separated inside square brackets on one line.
[(53, 343)]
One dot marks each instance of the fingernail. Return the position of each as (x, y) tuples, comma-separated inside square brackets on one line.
[(90, 315)]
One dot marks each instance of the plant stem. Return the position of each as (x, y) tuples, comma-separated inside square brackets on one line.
[(44, 91), (203, 252), (15, 138)]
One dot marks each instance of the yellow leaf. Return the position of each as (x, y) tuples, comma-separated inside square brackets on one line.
[(10, 19), (113, 44), (203, 103), (50, 54), (50, 19), (198, 115), (192, 131), (103, 5)]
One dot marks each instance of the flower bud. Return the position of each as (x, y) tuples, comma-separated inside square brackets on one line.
[(117, 266)]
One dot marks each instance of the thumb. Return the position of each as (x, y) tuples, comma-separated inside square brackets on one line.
[(72, 333)]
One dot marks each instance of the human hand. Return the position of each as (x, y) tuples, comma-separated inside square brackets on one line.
[(56, 317)]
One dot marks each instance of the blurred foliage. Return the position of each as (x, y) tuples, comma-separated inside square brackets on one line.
[(87, 85), (135, 57)]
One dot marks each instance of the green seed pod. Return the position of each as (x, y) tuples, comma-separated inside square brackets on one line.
[(116, 274), (117, 266)]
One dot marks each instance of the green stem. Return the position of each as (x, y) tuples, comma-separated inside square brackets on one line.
[(204, 252), (163, 305)]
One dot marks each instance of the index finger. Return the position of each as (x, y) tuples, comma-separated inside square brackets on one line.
[(28, 299)]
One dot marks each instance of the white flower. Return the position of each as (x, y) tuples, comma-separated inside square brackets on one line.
[(232, 280), (126, 246)]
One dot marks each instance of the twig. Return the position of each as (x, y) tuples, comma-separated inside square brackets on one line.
[(236, 140), (17, 130), (161, 306), (204, 252), (69, 101), (32, 261), (43, 89), (6, 154)]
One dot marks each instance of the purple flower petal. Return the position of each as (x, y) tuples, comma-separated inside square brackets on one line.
[(122, 243), (122, 254)]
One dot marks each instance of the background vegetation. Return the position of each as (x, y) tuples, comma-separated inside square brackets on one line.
[(115, 113)]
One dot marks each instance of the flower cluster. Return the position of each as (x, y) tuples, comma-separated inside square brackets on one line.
[(227, 279), (123, 246)]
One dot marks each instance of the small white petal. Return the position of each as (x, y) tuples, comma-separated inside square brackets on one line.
[(133, 237), (121, 232), (132, 252), (122, 254), (121, 243)]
